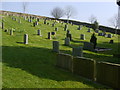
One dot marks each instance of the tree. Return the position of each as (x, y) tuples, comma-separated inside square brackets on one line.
[(92, 19), (57, 12), (24, 5), (114, 22), (69, 12), (95, 25)]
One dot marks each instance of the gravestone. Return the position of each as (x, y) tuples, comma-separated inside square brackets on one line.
[(55, 46), (97, 30), (77, 51), (53, 25), (82, 36), (79, 28), (2, 25), (11, 32), (109, 36), (66, 27), (48, 23), (89, 30), (49, 35), (6, 30), (68, 35), (24, 18), (111, 41), (38, 19), (67, 41), (25, 38), (88, 46), (34, 24), (45, 22), (39, 32), (19, 21), (53, 33), (56, 29), (100, 34)]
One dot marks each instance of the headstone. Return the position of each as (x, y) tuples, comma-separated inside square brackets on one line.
[(97, 30), (67, 41), (79, 28), (109, 35), (19, 21), (24, 18), (25, 38), (6, 30), (34, 24), (49, 35), (69, 36), (2, 25), (55, 46), (11, 32), (53, 25), (88, 46), (100, 34), (56, 29), (48, 23), (88, 30), (38, 19), (53, 33), (111, 42), (77, 51), (66, 27), (45, 22), (82, 36), (39, 32)]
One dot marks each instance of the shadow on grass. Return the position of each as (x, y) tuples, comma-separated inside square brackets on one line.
[(39, 62)]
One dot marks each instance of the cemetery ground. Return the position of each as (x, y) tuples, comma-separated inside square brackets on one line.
[(33, 65)]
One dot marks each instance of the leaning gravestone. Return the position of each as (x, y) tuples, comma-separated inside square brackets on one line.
[(39, 33), (56, 29), (49, 35), (25, 38), (11, 32), (55, 46), (67, 41), (77, 51), (88, 46), (82, 36)]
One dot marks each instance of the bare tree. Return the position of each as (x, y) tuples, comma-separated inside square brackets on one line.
[(69, 12), (92, 19), (114, 22), (57, 12), (24, 5)]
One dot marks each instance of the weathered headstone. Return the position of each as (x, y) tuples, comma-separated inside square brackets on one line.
[(49, 35), (38, 19), (67, 41), (56, 29), (109, 35), (77, 51), (25, 38), (39, 33), (45, 22), (100, 34), (19, 21), (11, 32), (68, 35), (53, 25), (82, 36), (79, 28), (88, 46), (34, 24), (55, 46), (111, 42)]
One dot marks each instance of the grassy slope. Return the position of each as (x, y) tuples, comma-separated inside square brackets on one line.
[(33, 65)]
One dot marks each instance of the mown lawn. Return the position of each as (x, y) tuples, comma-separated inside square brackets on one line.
[(33, 65)]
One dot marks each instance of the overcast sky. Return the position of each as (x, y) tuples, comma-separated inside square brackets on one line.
[(84, 9)]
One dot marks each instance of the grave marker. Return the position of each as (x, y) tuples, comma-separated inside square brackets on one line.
[(82, 36), (25, 38), (55, 46), (67, 41), (39, 32), (77, 51), (49, 35)]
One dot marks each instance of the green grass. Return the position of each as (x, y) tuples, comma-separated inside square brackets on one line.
[(33, 65)]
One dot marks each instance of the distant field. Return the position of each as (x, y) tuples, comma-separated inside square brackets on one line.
[(33, 65)]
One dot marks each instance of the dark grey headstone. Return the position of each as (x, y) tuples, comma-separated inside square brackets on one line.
[(109, 36), (55, 46), (56, 29), (11, 32), (67, 41), (82, 36), (79, 28), (66, 27), (89, 30), (49, 35), (111, 42), (39, 33), (77, 51), (25, 38), (53, 25)]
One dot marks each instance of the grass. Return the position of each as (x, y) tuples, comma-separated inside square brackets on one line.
[(33, 65)]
